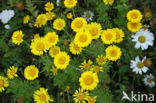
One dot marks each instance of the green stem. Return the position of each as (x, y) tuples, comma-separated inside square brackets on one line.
[(75, 68), (68, 98)]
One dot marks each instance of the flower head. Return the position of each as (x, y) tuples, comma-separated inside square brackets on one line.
[(41, 20), (134, 15), (17, 37), (149, 80), (26, 19), (3, 83), (70, 3), (88, 15), (86, 65), (74, 48), (49, 6), (59, 24), (12, 72)]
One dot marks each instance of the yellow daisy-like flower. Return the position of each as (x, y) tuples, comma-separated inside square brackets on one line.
[(59, 24), (96, 68), (42, 96), (54, 70), (3, 83), (70, 3), (91, 99), (83, 38), (62, 60), (80, 96), (41, 20), (88, 80), (36, 36), (108, 2), (17, 37), (49, 6), (31, 72), (113, 53), (38, 46), (108, 36), (54, 51), (134, 15), (86, 65), (134, 26), (78, 24), (69, 15), (94, 29), (50, 15), (74, 48), (119, 35), (26, 19), (51, 39), (101, 60), (11, 73)]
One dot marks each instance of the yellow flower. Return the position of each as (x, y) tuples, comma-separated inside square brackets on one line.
[(83, 38), (36, 36), (148, 15), (86, 65), (17, 37), (80, 96), (96, 68), (3, 83), (94, 29), (11, 73), (70, 3), (67, 89), (51, 39), (101, 60), (108, 2), (59, 24), (134, 15), (69, 15), (54, 51), (38, 46), (88, 80), (42, 96), (113, 53), (119, 35), (108, 36), (54, 70), (78, 24), (26, 19), (134, 26), (62, 60), (31, 72), (50, 15), (41, 20), (74, 48), (91, 99), (49, 6)]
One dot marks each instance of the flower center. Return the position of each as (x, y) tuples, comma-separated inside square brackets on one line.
[(43, 97), (134, 15), (40, 46), (88, 80), (19, 37), (70, 2), (140, 65), (54, 70), (149, 80), (88, 15), (62, 60), (78, 24), (1, 83), (13, 72), (32, 72), (113, 53), (83, 38), (51, 39), (108, 36), (94, 31), (80, 96), (96, 68), (134, 25), (91, 100), (55, 51), (76, 47), (60, 25), (142, 39), (86, 66)]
